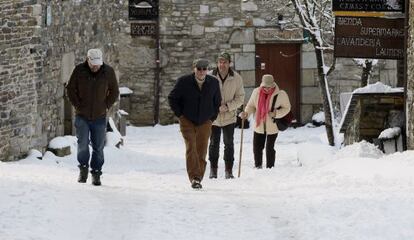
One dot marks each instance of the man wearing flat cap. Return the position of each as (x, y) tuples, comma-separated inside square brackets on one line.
[(195, 100), (92, 90), (232, 97)]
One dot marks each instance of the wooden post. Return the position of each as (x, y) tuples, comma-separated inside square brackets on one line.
[(241, 146)]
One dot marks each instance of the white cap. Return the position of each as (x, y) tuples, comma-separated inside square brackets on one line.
[(95, 56)]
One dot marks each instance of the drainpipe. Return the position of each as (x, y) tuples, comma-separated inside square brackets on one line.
[(157, 73)]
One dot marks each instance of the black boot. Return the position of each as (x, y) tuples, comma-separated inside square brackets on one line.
[(83, 174), (213, 172), (196, 183), (96, 177), (229, 174), (229, 170)]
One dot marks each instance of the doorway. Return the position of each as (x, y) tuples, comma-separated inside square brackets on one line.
[(282, 60)]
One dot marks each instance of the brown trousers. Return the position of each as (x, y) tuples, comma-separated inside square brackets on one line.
[(196, 143)]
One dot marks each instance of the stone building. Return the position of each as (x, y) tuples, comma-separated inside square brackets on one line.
[(409, 105), (42, 40)]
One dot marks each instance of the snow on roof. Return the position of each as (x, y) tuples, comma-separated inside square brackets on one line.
[(390, 133), (59, 142), (125, 91), (377, 87)]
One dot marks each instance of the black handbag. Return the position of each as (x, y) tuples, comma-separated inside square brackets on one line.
[(284, 122)]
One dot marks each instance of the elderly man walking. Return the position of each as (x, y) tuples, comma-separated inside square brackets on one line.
[(195, 100), (92, 90)]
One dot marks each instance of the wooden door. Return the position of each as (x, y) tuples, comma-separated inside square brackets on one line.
[(283, 62)]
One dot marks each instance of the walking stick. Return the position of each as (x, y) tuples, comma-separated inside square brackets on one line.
[(241, 146)]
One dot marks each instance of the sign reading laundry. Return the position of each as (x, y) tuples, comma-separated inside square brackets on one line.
[(368, 37)]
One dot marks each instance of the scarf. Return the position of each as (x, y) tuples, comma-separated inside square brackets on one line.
[(263, 104)]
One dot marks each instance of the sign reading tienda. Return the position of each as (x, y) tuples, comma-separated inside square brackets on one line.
[(369, 37), (368, 5)]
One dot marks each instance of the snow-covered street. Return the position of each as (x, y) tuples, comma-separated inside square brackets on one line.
[(314, 192)]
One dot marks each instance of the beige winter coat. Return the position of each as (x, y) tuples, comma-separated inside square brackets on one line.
[(282, 102), (232, 94)]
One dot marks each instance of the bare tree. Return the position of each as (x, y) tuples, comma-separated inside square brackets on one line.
[(366, 65), (316, 17)]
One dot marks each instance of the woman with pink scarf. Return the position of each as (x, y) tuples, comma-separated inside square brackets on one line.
[(265, 128)]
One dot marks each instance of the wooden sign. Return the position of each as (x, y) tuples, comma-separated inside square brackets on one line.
[(143, 9), (263, 34), (369, 37), (143, 29), (368, 5)]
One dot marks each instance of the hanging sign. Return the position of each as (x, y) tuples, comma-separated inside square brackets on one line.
[(369, 37), (143, 29), (368, 5), (143, 9)]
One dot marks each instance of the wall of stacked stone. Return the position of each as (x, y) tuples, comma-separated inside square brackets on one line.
[(410, 81), (41, 41), (191, 29), (21, 105)]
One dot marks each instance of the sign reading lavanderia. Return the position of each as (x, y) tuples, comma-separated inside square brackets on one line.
[(368, 5), (368, 37), (143, 9)]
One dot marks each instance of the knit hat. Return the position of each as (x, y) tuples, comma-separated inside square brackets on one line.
[(268, 81)]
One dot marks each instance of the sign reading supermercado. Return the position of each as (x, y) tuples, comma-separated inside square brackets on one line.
[(368, 5), (367, 37)]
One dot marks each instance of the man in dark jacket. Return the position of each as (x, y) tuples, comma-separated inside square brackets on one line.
[(92, 90), (195, 100)]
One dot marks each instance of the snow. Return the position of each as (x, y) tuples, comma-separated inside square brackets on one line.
[(377, 87), (390, 133), (319, 117), (362, 61), (125, 91), (315, 192), (59, 142), (123, 112), (114, 137)]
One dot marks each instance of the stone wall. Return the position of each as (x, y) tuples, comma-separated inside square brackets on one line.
[(410, 80), (24, 113), (345, 78), (190, 29), (373, 113), (42, 40)]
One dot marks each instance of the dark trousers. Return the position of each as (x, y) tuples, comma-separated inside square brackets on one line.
[(196, 143), (95, 132), (214, 148), (259, 141)]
